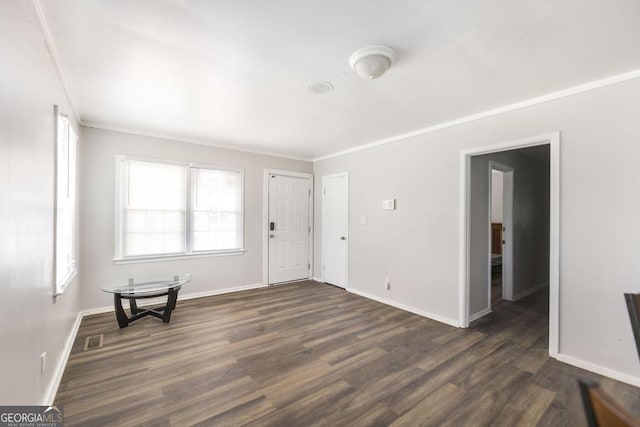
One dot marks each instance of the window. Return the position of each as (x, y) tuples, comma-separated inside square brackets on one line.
[(169, 209), (65, 210)]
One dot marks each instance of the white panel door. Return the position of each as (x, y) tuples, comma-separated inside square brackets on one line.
[(288, 229), (335, 228)]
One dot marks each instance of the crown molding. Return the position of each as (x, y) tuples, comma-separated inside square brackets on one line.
[(574, 90), (171, 137), (53, 52)]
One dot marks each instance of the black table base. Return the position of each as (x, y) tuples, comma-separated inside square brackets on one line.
[(163, 313)]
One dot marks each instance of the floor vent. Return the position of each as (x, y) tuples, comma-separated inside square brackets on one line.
[(94, 341)]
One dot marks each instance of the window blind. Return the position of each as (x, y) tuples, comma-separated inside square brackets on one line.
[(155, 210), (216, 209), (66, 171), (169, 209)]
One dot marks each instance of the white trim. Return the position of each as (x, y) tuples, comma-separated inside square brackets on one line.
[(122, 164), (529, 291), (317, 279), (138, 260), (220, 291), (66, 352), (53, 52), (70, 278), (589, 366), (160, 300), (563, 93), (181, 297), (324, 177), (553, 140), (72, 178), (479, 314), (428, 315), (464, 202), (171, 137), (265, 218), (507, 224), (554, 244), (573, 90), (62, 362)]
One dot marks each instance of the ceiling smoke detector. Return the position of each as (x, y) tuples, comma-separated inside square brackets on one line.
[(320, 87), (372, 61)]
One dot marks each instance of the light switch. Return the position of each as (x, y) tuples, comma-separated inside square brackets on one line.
[(389, 205), (363, 220)]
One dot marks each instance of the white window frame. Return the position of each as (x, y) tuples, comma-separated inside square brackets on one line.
[(120, 204), (59, 286)]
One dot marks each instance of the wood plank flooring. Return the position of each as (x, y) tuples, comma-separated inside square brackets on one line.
[(311, 354)]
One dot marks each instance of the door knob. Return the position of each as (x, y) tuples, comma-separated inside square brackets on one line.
[(343, 238), (271, 236)]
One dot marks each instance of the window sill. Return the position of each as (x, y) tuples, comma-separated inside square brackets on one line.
[(137, 260), (60, 289)]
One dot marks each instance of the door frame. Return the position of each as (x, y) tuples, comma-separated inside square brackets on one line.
[(553, 140), (507, 223), (265, 218), (324, 178)]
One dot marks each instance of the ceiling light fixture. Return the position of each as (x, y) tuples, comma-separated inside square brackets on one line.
[(372, 61), (320, 87)]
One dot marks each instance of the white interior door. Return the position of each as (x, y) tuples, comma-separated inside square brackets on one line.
[(335, 228), (289, 229)]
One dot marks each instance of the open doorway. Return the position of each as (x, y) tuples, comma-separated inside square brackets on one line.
[(532, 238)]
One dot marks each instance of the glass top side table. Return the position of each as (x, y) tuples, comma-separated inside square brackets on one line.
[(133, 291)]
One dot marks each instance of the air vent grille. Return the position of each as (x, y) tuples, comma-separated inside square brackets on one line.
[(93, 342)]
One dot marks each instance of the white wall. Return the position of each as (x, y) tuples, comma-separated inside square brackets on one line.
[(496, 196), (31, 320), (417, 245), (530, 225), (97, 201)]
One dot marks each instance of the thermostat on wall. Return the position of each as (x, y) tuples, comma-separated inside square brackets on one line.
[(389, 205)]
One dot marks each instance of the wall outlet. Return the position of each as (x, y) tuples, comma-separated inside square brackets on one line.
[(363, 220), (387, 284), (43, 362)]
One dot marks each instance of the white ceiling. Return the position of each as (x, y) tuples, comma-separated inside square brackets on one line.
[(235, 72)]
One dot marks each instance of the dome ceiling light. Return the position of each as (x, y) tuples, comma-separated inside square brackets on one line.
[(372, 61)]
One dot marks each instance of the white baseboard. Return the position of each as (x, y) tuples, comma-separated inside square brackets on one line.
[(529, 291), (220, 291), (62, 363), (181, 297), (59, 371), (413, 310), (317, 279), (481, 313), (619, 376), (66, 352)]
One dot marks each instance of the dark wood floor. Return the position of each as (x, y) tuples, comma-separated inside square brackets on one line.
[(312, 354)]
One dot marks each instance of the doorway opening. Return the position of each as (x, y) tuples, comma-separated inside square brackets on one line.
[(519, 252)]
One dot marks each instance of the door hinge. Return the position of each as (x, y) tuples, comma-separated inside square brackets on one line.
[(309, 229), (323, 268), (309, 191), (324, 191), (309, 266)]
